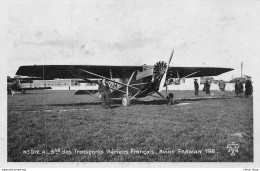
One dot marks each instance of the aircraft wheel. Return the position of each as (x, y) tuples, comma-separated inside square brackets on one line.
[(125, 100)]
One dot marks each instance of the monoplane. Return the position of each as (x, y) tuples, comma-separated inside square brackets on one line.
[(126, 82)]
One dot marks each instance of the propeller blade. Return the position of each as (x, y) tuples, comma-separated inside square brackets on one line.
[(162, 83), (170, 57)]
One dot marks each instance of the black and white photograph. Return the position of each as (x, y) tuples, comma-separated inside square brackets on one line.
[(136, 81)]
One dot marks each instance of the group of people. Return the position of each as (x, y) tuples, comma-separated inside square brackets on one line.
[(104, 90), (238, 88), (206, 87)]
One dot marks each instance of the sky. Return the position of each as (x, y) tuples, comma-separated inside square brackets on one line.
[(133, 32)]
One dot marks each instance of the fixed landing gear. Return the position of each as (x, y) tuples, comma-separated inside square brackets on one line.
[(125, 100)]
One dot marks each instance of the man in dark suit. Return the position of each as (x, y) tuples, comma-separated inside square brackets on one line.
[(196, 86), (248, 88), (239, 88), (104, 91), (206, 87), (236, 88)]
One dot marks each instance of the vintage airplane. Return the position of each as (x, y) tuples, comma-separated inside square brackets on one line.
[(129, 82), (16, 84), (243, 79)]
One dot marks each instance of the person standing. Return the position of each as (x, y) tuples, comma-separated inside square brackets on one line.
[(13, 87), (239, 88), (196, 87), (236, 88), (222, 86), (206, 87), (104, 91), (248, 88), (9, 89)]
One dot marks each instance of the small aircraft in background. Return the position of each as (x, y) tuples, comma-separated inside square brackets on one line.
[(243, 79), (126, 82), (16, 84)]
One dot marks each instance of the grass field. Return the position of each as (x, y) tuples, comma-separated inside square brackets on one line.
[(74, 128)]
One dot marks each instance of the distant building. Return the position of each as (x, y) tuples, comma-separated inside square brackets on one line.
[(63, 84)]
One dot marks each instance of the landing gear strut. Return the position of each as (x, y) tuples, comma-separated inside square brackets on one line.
[(125, 100)]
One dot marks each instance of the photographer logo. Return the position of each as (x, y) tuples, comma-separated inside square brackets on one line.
[(232, 148)]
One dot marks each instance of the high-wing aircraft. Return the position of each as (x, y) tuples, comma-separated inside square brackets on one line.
[(16, 84), (128, 82)]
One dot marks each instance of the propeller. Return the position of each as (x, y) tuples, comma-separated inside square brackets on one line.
[(163, 80)]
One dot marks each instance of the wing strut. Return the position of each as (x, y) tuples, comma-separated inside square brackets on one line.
[(135, 94), (109, 79), (191, 74), (130, 79), (117, 89)]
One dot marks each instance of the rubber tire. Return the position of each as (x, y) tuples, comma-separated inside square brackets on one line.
[(125, 100)]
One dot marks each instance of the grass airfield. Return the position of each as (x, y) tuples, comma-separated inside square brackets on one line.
[(58, 126)]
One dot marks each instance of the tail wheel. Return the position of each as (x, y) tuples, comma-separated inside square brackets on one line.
[(159, 69), (125, 100)]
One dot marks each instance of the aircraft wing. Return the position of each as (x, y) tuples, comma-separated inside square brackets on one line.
[(189, 72), (49, 72)]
